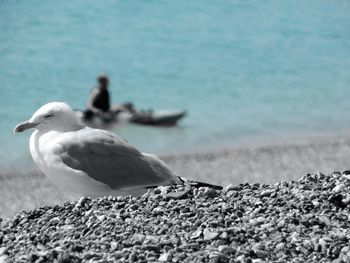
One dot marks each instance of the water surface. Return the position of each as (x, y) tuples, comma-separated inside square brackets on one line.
[(244, 70)]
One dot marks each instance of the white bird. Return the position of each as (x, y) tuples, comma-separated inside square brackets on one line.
[(91, 162)]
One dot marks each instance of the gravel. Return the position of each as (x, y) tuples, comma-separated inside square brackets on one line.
[(299, 221)]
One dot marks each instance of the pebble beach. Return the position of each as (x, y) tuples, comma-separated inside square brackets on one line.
[(291, 221), (275, 207), (265, 88)]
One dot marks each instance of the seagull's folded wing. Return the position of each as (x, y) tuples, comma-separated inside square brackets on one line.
[(110, 160)]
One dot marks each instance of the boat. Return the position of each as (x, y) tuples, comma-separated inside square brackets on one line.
[(150, 118), (158, 118)]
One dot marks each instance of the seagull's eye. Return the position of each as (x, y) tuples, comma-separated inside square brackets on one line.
[(48, 116)]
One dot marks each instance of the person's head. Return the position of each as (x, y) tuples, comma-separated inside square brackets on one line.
[(102, 80)]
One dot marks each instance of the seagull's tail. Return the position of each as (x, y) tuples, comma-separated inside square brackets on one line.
[(168, 177), (161, 170), (197, 184)]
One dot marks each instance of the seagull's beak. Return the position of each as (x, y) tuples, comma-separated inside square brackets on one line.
[(24, 126)]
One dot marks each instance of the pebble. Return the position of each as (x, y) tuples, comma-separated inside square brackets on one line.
[(114, 245), (226, 249), (280, 246), (338, 188), (230, 187), (178, 194), (196, 234), (209, 234), (165, 257), (298, 221), (4, 259), (224, 235), (346, 199), (267, 192)]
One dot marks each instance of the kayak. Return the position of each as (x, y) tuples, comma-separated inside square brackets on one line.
[(151, 118), (158, 118)]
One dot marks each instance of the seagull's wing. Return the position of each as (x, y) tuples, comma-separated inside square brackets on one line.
[(110, 160)]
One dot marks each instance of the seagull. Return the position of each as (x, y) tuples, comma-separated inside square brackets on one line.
[(88, 161)]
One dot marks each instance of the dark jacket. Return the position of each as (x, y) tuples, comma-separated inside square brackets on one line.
[(99, 99)]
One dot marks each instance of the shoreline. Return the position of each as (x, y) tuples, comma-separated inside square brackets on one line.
[(266, 164), (225, 147)]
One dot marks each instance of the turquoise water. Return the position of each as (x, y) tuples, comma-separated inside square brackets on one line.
[(242, 69)]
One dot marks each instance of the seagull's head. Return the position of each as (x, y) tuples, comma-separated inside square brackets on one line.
[(57, 116)]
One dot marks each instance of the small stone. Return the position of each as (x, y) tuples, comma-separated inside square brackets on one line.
[(114, 245), (267, 192), (209, 234), (55, 220), (281, 223), (345, 250), (81, 202), (265, 226), (280, 246), (316, 203), (346, 199), (178, 194), (88, 213), (150, 247), (346, 178), (209, 192), (64, 258), (23, 221), (226, 249), (196, 234), (165, 257), (148, 239), (224, 235), (157, 191), (323, 245), (3, 250), (158, 211), (138, 239), (217, 256), (230, 187), (132, 257), (302, 250), (117, 254), (258, 246), (175, 240), (336, 251), (101, 218), (307, 244), (338, 188), (257, 221), (240, 258)]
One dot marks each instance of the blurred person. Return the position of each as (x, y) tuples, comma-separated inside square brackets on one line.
[(99, 101)]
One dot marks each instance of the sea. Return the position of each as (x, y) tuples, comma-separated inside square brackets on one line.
[(246, 71)]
